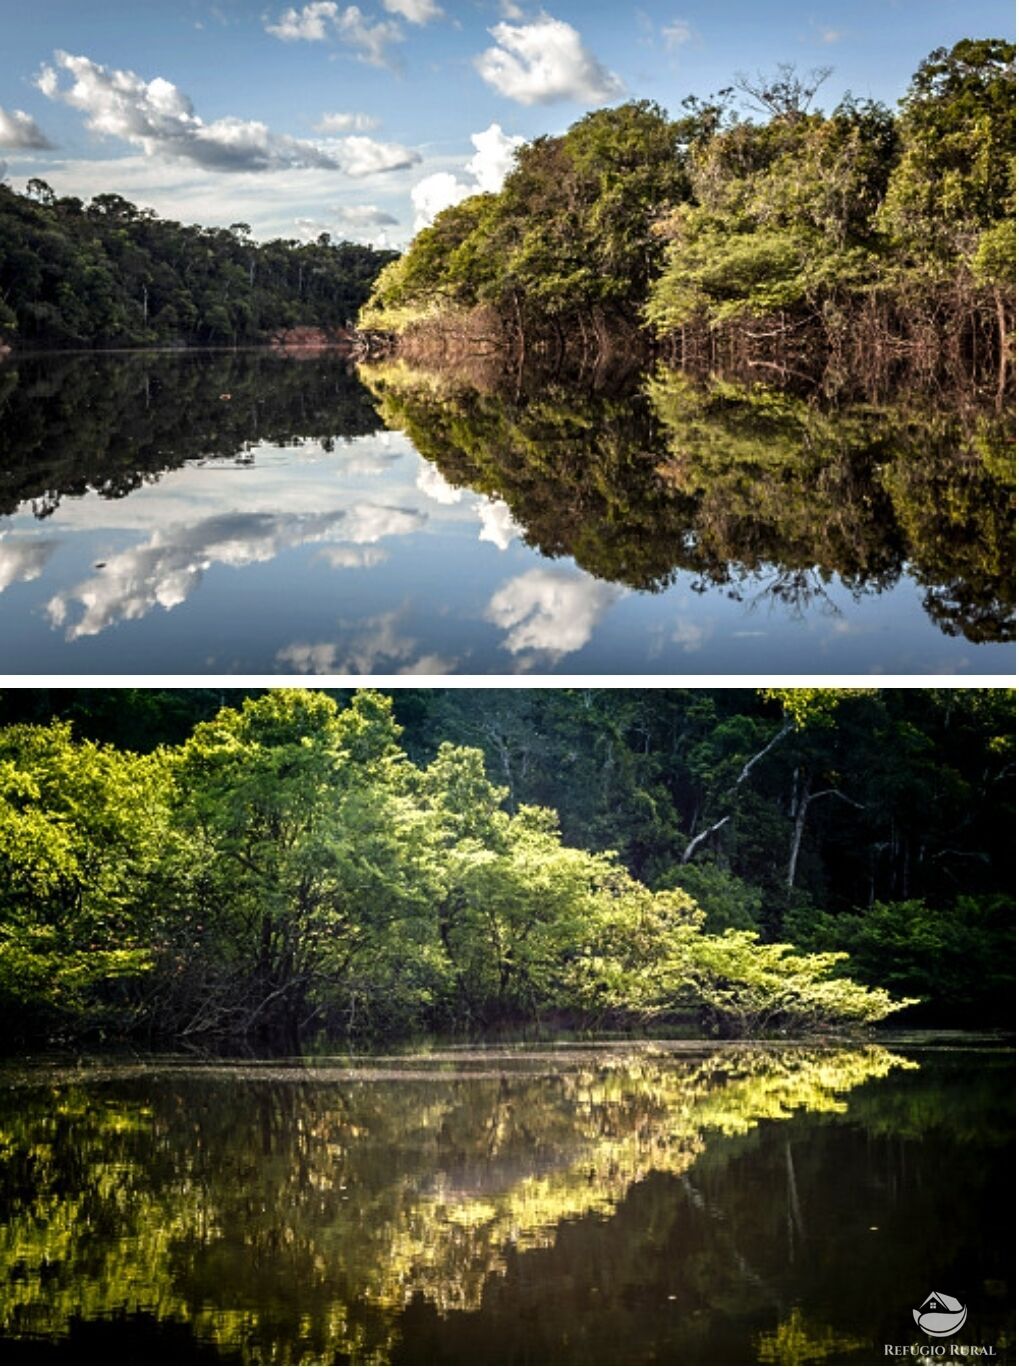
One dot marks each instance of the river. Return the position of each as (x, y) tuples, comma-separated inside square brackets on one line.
[(654, 1202), (191, 513)]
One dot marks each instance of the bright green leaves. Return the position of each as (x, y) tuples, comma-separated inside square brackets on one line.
[(288, 869), (83, 828), (956, 174)]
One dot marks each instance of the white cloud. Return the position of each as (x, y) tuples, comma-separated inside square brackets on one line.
[(430, 664), (200, 194), (374, 646), (372, 642), (354, 557), (433, 485), (435, 193), (369, 522), (690, 636), (360, 156), (362, 216), (414, 11), (346, 123), (322, 19), (159, 118), (554, 611), (354, 222), (489, 167), (20, 132), (497, 524), (23, 560), (544, 61), (676, 34), (509, 9), (493, 157), (166, 570), (306, 25)]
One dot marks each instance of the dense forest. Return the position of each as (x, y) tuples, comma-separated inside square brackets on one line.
[(725, 232), (274, 866), (110, 273)]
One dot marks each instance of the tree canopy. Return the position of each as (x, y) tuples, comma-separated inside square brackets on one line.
[(373, 865), (717, 217), (110, 272)]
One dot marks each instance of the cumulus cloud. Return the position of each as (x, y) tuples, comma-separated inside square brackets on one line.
[(22, 560), (544, 61), (376, 646), (159, 118), (369, 522), (553, 611), (359, 156), (363, 216), (492, 162), (346, 123), (676, 34), (433, 485), (488, 168), (371, 643), (166, 570), (324, 19), (435, 193), (20, 132), (307, 25), (414, 11), (355, 222), (354, 557), (497, 524)]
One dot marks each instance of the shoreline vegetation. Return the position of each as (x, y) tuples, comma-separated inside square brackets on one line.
[(751, 234), (843, 244), (111, 274), (302, 867)]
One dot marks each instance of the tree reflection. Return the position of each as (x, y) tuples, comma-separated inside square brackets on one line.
[(754, 490), (70, 423), (291, 1215)]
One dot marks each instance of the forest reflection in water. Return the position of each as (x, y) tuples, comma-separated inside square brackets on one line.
[(632, 526), (654, 1203), (728, 479)]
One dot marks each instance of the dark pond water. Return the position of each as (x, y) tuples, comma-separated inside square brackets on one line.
[(246, 512), (661, 1203)]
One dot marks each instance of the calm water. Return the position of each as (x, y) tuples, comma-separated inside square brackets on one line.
[(252, 513), (656, 1203)]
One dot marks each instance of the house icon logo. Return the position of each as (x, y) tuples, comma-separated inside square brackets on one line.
[(940, 1315)]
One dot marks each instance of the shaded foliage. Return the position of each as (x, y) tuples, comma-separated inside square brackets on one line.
[(290, 868), (302, 866), (109, 272)]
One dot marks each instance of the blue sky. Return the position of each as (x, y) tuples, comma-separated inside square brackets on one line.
[(365, 119)]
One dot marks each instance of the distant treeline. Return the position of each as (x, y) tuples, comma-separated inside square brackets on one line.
[(109, 273), (208, 864), (866, 228)]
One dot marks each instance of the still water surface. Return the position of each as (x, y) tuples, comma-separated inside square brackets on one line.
[(248, 512), (654, 1203)]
